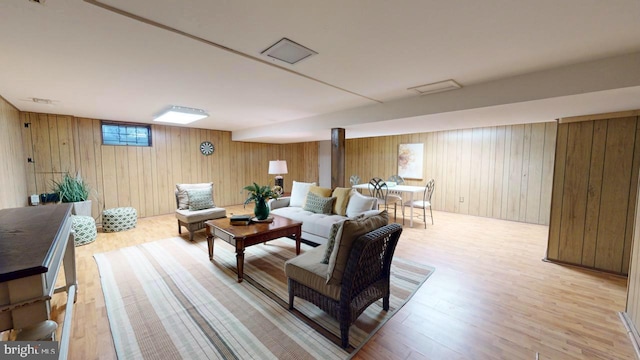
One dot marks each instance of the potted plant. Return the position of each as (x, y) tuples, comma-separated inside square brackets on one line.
[(74, 190), (260, 195)]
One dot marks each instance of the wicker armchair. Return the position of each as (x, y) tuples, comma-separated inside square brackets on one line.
[(366, 279)]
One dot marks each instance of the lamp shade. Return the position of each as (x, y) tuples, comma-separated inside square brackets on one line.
[(277, 167)]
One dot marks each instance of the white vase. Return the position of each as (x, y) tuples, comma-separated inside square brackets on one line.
[(82, 208)]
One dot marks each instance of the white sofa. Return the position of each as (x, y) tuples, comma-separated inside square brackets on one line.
[(316, 225)]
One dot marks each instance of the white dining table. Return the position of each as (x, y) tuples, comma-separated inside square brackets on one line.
[(409, 189)]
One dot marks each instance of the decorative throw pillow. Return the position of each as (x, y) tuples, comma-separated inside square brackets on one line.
[(200, 199), (358, 204), (317, 204), (342, 199), (351, 230), (299, 192), (324, 192), (333, 236), (369, 213), (183, 197)]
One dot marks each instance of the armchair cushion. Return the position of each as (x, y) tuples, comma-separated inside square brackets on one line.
[(183, 196), (349, 231), (308, 270), (200, 199), (299, 192), (189, 217), (331, 241)]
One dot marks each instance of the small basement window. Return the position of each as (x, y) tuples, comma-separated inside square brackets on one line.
[(126, 134)]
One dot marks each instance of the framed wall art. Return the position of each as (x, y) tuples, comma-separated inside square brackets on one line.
[(410, 160)]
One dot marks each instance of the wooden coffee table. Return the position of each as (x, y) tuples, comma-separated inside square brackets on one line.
[(243, 236)]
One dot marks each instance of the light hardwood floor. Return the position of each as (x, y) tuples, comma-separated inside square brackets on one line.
[(491, 296)]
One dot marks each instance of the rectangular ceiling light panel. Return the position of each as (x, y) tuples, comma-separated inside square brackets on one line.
[(288, 51), (436, 87), (180, 115)]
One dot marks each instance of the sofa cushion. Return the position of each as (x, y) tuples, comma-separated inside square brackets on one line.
[(368, 213), (299, 192), (307, 270), (342, 199), (190, 217), (312, 223), (321, 191), (358, 204), (200, 199), (183, 197), (350, 230), (317, 204)]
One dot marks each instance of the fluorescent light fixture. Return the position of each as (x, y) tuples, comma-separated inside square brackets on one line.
[(180, 115), (288, 51), (436, 87)]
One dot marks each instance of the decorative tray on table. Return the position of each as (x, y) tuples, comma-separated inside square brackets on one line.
[(267, 220)]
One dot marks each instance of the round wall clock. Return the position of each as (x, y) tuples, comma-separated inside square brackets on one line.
[(207, 148)]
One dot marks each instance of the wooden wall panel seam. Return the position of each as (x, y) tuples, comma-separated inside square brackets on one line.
[(633, 193), (588, 175), (556, 193)]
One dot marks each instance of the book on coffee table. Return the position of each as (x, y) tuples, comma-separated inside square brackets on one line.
[(240, 220)]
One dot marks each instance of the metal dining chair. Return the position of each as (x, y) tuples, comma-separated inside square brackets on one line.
[(354, 180), (396, 179), (378, 188), (424, 203)]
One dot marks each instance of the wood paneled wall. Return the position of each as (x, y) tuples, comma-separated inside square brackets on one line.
[(145, 177), (503, 172), (594, 192), (632, 311), (12, 158)]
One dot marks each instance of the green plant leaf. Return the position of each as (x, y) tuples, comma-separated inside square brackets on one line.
[(71, 189), (258, 193)]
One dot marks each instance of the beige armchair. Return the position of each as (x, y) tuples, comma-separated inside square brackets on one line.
[(195, 205)]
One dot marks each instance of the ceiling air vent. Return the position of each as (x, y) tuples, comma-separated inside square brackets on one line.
[(288, 51), (436, 87)]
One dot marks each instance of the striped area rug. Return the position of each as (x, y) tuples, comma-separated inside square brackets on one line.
[(166, 300)]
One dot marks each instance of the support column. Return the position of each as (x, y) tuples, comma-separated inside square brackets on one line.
[(338, 154)]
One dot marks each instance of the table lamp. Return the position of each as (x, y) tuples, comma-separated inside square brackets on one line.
[(277, 168)]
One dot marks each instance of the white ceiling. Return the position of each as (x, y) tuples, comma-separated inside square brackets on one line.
[(518, 61)]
